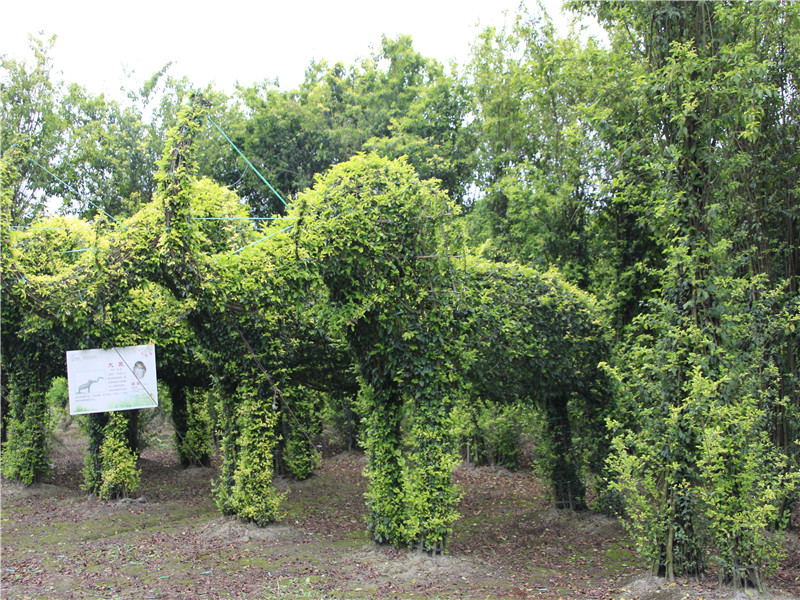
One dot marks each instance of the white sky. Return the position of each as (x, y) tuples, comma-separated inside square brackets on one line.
[(236, 40)]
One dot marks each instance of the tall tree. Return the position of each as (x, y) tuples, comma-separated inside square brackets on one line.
[(395, 102), (429, 120), (539, 158), (109, 161), (707, 84), (33, 129)]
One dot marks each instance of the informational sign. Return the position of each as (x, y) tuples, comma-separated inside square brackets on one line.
[(116, 379)]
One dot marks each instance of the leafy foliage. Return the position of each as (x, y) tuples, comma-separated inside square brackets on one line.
[(25, 451), (688, 365), (537, 339), (194, 444), (247, 491), (383, 242), (32, 128), (302, 425), (491, 432), (119, 476)]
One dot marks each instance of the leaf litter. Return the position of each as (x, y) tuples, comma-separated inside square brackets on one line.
[(171, 542)]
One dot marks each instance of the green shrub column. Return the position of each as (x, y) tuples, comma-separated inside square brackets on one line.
[(192, 426), (255, 497), (300, 425), (431, 496), (226, 428), (385, 467), (110, 464), (25, 451), (245, 488), (92, 466)]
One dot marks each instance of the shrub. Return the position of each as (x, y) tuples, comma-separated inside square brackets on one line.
[(112, 473), (195, 447), (245, 488), (25, 453), (58, 394)]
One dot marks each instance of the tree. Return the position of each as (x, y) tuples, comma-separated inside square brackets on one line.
[(539, 158), (109, 159), (688, 364), (395, 102), (433, 132), (33, 130)]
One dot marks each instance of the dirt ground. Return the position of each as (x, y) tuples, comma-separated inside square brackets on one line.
[(171, 542)]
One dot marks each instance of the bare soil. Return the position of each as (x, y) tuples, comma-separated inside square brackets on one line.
[(171, 542)]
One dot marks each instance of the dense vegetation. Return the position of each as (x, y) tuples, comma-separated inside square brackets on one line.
[(605, 235)]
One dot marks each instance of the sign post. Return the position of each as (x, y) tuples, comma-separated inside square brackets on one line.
[(108, 380)]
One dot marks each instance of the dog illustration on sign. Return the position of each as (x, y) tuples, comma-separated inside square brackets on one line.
[(87, 387)]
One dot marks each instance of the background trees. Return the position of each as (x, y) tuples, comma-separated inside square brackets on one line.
[(32, 128), (540, 161)]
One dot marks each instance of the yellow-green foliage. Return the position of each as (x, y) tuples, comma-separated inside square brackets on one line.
[(746, 478), (52, 244), (25, 452), (194, 448), (700, 478), (119, 476), (384, 243), (252, 496), (301, 425)]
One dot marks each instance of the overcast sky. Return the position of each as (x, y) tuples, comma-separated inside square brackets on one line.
[(237, 41)]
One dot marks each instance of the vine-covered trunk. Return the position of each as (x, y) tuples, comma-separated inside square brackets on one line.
[(432, 497), (109, 468), (385, 498), (132, 432), (245, 487), (226, 424), (180, 421), (25, 456), (300, 424), (194, 444), (680, 549), (568, 488), (5, 406), (92, 466)]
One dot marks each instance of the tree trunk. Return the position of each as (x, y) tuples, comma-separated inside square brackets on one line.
[(568, 489)]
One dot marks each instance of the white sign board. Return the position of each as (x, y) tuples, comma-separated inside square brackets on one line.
[(116, 379)]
